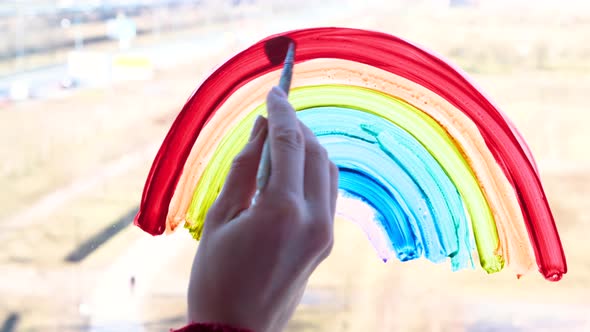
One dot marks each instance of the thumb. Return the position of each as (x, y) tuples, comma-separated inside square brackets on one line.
[(240, 184)]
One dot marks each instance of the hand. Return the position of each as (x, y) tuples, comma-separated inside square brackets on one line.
[(254, 261)]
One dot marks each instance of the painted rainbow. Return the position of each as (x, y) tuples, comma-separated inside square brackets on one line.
[(429, 166)]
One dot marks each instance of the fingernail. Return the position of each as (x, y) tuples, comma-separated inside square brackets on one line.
[(279, 92), (256, 128)]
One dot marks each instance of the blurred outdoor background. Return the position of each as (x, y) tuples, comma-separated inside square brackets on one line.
[(89, 88)]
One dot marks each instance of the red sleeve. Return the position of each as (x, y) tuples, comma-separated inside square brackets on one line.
[(207, 327)]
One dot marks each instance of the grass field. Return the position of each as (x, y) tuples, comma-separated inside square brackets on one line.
[(536, 67)]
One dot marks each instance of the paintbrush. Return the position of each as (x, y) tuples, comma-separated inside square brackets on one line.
[(275, 50)]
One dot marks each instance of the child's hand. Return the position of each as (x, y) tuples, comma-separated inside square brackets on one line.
[(254, 261)]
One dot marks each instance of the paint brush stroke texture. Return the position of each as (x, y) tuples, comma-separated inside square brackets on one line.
[(511, 228), (510, 185), (442, 225), (427, 131)]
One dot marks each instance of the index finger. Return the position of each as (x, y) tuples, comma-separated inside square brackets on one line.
[(286, 144)]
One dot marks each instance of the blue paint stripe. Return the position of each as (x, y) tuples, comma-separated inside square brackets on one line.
[(391, 171)]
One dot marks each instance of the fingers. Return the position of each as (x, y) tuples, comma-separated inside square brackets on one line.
[(240, 184), (321, 192), (333, 188), (286, 145), (317, 172)]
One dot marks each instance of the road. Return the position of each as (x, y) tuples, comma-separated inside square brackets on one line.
[(45, 82)]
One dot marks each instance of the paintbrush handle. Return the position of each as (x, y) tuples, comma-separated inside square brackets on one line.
[(287, 74), (264, 166), (285, 85)]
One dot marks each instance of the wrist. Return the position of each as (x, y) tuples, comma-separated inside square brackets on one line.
[(225, 315), (210, 327)]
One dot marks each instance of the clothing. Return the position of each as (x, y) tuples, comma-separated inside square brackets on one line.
[(209, 327)]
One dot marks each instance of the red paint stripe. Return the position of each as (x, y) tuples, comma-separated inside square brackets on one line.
[(388, 53)]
